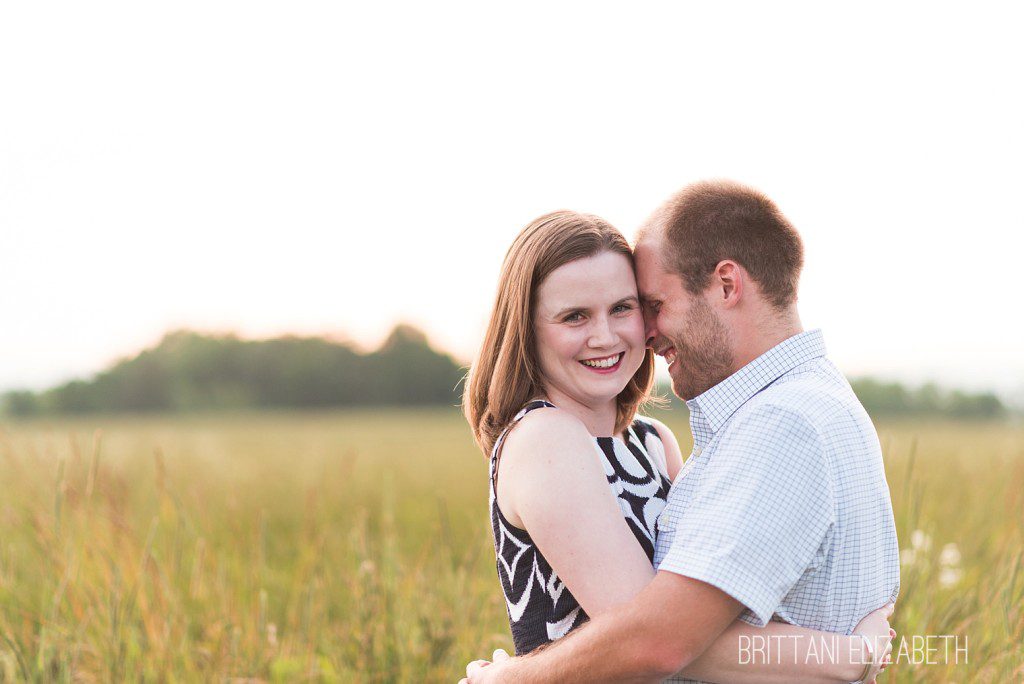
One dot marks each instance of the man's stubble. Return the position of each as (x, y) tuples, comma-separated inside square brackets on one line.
[(704, 354)]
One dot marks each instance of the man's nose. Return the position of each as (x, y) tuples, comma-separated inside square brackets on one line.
[(650, 328)]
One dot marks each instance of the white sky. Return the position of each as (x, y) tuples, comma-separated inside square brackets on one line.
[(319, 168)]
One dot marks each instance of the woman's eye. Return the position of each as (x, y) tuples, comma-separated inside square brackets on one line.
[(573, 318), (620, 308)]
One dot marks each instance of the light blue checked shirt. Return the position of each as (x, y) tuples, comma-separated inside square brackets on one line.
[(783, 503)]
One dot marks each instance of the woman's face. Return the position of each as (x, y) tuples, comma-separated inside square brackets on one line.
[(589, 328)]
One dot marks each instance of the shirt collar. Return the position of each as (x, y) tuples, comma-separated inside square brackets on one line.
[(710, 410)]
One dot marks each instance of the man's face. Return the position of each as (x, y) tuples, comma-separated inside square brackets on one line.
[(681, 327)]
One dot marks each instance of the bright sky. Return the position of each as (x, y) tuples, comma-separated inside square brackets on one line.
[(327, 168)]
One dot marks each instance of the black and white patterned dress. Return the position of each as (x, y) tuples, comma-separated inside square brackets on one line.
[(540, 608)]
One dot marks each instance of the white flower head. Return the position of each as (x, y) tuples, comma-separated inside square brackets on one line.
[(920, 541), (950, 577), (950, 556)]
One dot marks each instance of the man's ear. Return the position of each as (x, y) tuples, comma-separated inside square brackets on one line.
[(730, 280)]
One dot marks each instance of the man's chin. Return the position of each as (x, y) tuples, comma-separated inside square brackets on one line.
[(681, 390)]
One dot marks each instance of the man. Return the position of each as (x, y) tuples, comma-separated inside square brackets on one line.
[(782, 510)]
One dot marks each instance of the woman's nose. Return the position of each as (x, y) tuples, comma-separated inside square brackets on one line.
[(602, 334)]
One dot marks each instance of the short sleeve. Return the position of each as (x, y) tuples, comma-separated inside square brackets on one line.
[(760, 513)]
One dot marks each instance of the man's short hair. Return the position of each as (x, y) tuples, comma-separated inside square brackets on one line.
[(708, 222)]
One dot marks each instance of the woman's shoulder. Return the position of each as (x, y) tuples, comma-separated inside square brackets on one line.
[(644, 426), (660, 443), (654, 427), (543, 427), (545, 451)]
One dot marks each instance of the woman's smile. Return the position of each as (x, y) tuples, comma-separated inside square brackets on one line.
[(604, 364)]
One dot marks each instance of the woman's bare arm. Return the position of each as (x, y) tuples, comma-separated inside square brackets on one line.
[(552, 484)]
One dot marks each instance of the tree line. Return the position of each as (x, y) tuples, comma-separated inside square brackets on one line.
[(191, 372)]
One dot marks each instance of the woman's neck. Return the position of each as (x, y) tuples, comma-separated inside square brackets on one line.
[(598, 419)]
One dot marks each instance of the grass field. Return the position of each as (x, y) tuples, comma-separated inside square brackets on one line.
[(355, 547)]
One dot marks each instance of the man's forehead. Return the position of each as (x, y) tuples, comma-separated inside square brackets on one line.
[(655, 282), (648, 259)]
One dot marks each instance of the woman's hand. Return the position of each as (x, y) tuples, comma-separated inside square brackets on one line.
[(475, 670), (876, 629)]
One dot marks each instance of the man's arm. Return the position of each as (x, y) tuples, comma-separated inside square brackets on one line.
[(788, 654), (667, 626)]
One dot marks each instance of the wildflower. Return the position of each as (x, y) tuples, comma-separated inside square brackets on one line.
[(950, 556), (272, 634), (920, 541), (950, 577), (907, 557)]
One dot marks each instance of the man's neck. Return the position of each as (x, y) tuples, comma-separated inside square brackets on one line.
[(769, 332)]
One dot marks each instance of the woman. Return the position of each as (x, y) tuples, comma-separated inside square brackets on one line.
[(575, 490)]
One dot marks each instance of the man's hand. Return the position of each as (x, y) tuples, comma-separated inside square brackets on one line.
[(481, 671)]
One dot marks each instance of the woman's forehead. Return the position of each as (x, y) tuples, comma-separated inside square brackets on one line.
[(591, 279), (599, 266)]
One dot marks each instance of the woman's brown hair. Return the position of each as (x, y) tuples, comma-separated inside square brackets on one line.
[(506, 373)]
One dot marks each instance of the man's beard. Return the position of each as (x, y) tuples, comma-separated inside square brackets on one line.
[(704, 356)]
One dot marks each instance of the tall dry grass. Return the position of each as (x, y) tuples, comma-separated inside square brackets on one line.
[(355, 547)]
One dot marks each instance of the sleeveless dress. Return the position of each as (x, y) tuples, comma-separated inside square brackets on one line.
[(540, 607)]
